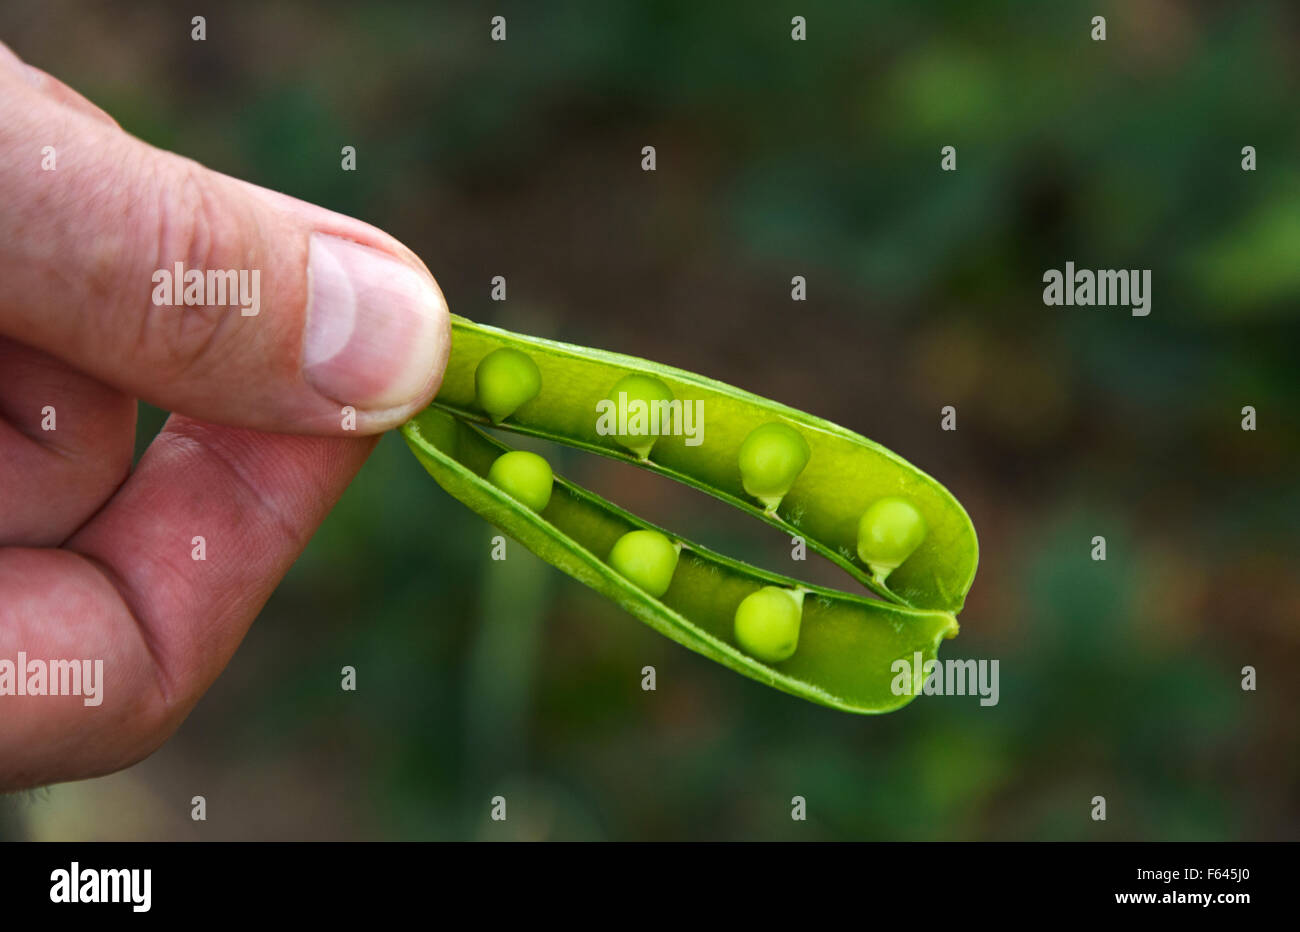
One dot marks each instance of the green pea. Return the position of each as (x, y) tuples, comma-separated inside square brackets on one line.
[(826, 482), (771, 459), (888, 532), (525, 476), (646, 558), (655, 395), (504, 380), (767, 623)]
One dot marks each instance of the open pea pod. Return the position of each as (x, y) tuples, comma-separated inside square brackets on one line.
[(844, 475), (847, 644)]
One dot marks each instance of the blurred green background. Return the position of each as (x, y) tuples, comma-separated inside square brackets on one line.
[(775, 158)]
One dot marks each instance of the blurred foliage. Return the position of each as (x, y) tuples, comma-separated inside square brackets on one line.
[(1118, 678)]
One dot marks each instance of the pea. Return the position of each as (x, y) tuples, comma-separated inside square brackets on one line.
[(652, 392), (767, 623), (646, 558), (888, 532), (771, 459), (525, 476), (764, 456), (504, 380), (839, 461)]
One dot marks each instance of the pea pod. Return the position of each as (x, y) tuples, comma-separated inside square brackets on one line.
[(847, 644), (844, 474)]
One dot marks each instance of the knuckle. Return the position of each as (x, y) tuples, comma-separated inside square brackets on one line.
[(195, 234)]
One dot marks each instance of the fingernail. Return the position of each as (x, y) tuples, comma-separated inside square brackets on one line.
[(377, 329)]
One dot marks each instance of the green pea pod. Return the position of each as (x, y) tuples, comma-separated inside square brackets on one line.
[(848, 644), (844, 475)]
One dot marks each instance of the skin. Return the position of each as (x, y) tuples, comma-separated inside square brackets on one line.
[(95, 558)]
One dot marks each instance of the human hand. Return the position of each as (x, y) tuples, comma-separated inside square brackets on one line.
[(98, 562)]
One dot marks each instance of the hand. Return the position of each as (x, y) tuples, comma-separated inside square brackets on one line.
[(96, 561)]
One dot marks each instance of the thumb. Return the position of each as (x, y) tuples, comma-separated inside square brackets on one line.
[(200, 293)]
